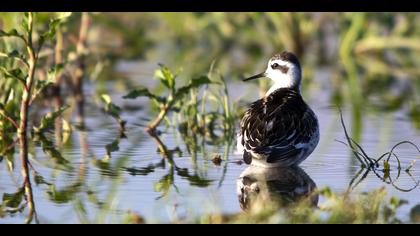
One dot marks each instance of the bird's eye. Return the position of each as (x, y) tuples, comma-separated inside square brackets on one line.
[(274, 66)]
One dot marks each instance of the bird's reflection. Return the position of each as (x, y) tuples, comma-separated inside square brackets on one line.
[(283, 185)]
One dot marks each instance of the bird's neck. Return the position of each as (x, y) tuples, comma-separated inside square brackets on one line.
[(284, 83)]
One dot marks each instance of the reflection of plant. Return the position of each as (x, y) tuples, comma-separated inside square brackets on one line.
[(369, 164), (49, 149), (167, 181)]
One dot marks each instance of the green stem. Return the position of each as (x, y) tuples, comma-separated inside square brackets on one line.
[(23, 126), (152, 126)]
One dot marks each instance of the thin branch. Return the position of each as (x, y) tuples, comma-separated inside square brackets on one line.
[(10, 146), (364, 153), (398, 144), (348, 137), (361, 179), (14, 123)]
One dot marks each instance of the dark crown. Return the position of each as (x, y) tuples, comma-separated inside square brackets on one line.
[(286, 56)]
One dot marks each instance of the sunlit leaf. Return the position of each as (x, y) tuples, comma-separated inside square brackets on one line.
[(48, 120), (114, 111), (13, 73), (164, 184), (14, 55), (63, 15), (10, 162), (11, 33), (67, 130), (165, 76), (395, 202)]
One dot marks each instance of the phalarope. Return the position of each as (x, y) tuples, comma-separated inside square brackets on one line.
[(279, 129)]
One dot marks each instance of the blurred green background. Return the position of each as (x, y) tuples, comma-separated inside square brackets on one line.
[(370, 52), (370, 61)]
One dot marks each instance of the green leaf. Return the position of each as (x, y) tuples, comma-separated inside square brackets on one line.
[(14, 55), (50, 33), (113, 110), (194, 83), (395, 202), (112, 147), (4, 112), (10, 162), (139, 93), (52, 75), (13, 73), (13, 200), (40, 180), (53, 72), (11, 33), (48, 120), (144, 92), (65, 195), (164, 184), (110, 107), (106, 98), (49, 149), (165, 76)]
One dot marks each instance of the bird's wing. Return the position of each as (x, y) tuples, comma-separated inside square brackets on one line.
[(278, 129)]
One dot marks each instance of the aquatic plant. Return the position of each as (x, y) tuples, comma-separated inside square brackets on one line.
[(114, 111), (25, 74), (174, 94), (369, 163)]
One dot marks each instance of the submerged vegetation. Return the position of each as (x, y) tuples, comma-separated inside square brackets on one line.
[(53, 65)]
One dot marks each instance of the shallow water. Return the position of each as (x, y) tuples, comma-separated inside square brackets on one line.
[(127, 182)]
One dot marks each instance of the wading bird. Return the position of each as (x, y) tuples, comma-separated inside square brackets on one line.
[(279, 129)]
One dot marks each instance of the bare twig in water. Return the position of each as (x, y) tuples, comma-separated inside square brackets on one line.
[(349, 141), (372, 164)]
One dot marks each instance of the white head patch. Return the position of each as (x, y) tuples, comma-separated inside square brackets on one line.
[(284, 74)]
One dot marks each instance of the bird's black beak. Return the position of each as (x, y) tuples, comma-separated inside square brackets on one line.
[(255, 76)]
